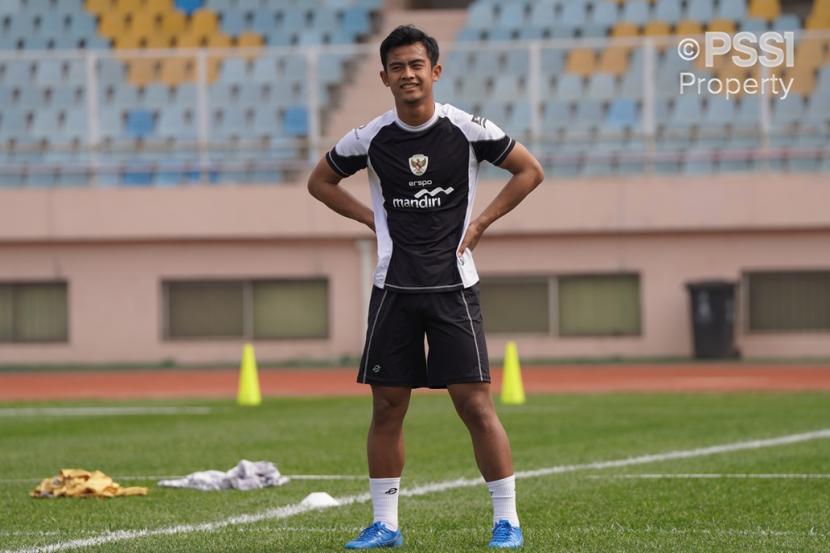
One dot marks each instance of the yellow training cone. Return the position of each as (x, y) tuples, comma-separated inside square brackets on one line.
[(512, 390), (248, 379)]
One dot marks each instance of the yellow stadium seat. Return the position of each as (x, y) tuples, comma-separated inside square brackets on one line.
[(189, 40), (249, 39), (219, 40), (804, 80), (178, 70), (688, 27), (173, 23), (128, 6), (160, 6), (625, 29), (822, 8), (112, 25), (657, 28), (142, 71), (204, 22), (130, 42), (145, 23), (99, 7), (810, 52), (581, 61), (722, 25), (613, 60), (764, 9), (817, 22), (159, 41)]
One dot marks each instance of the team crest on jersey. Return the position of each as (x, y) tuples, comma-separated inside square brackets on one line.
[(418, 164)]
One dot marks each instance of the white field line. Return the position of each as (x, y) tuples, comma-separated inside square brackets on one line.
[(100, 411), (435, 487), (738, 476), (170, 477)]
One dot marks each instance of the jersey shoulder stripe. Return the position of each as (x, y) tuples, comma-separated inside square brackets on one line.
[(489, 142), (350, 153)]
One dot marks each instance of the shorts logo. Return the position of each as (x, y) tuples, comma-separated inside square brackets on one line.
[(418, 164), (376, 369)]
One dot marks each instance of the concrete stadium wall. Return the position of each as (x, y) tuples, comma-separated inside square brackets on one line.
[(115, 246)]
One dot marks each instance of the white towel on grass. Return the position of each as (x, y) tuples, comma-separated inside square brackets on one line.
[(247, 475)]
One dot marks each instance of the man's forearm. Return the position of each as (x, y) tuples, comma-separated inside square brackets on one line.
[(517, 188), (341, 201)]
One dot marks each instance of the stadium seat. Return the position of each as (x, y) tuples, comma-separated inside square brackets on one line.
[(764, 9), (139, 123), (569, 87), (786, 22), (604, 13), (668, 10), (602, 86), (581, 61), (636, 11), (295, 121), (622, 113), (700, 10)]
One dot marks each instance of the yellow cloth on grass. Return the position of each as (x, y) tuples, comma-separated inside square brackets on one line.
[(82, 483)]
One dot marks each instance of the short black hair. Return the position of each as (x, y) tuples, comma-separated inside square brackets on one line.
[(404, 35)]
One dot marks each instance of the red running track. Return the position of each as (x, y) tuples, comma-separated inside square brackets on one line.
[(123, 384)]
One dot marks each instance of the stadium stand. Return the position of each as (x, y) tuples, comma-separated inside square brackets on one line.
[(137, 113), (593, 97), (82, 82)]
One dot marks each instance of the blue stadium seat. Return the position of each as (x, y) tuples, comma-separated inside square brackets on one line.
[(542, 14), (622, 113), (178, 122), (589, 114), (356, 20), (670, 10), (789, 111), (636, 11), (754, 25), (553, 61), (156, 96), (511, 15), (573, 15), (569, 87), (786, 22), (734, 11), (719, 111), (295, 121), (605, 13), (687, 111), (507, 87), (602, 86), (700, 10), (110, 72), (233, 22), (234, 70), (189, 6), (480, 16), (140, 123), (16, 72), (110, 123)]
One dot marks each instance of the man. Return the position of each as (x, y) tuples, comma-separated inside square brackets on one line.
[(423, 160)]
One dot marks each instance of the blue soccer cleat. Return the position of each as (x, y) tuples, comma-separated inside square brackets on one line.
[(506, 536), (376, 535)]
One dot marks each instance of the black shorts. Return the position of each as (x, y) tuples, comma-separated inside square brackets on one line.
[(394, 351)]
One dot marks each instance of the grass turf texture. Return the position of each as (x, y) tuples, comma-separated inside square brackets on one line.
[(580, 511)]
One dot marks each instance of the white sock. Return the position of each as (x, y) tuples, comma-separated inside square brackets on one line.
[(503, 494), (385, 500)]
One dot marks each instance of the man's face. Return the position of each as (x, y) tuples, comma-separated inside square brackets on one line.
[(409, 73)]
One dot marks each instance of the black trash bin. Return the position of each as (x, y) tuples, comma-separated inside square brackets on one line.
[(713, 318)]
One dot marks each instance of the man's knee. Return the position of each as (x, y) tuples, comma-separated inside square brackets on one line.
[(477, 411), (388, 410)]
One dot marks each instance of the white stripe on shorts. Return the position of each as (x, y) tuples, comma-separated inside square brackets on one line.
[(473, 330), (371, 334)]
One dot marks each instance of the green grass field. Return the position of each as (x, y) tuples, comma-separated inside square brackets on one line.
[(581, 509)]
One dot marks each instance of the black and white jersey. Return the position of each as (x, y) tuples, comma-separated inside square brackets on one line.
[(423, 181)]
